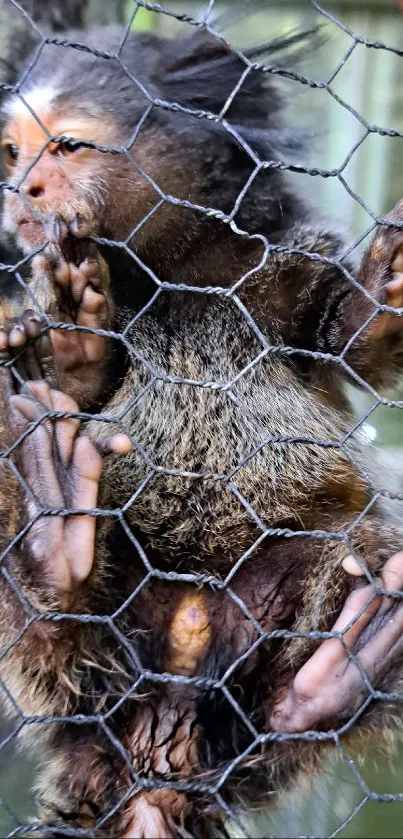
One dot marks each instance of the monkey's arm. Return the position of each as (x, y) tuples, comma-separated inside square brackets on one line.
[(320, 304)]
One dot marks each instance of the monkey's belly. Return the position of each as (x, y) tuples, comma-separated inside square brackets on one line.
[(216, 472), (211, 522)]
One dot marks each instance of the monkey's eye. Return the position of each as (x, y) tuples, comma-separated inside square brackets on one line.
[(11, 152), (69, 146)]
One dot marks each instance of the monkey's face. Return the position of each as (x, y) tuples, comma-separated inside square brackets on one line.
[(48, 171)]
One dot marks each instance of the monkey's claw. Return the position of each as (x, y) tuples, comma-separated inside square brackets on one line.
[(58, 230)]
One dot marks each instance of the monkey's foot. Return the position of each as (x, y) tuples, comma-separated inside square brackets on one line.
[(61, 471), (337, 678)]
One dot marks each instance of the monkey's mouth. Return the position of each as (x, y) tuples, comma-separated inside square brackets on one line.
[(31, 223)]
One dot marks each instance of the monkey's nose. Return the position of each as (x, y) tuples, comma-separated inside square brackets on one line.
[(33, 189)]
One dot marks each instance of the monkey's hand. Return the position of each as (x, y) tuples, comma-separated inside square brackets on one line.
[(368, 330), (381, 275), (69, 286), (61, 472), (344, 670)]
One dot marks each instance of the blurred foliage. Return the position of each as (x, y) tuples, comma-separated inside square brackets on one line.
[(143, 21)]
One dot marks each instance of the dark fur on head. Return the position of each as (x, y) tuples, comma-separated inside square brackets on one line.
[(198, 72)]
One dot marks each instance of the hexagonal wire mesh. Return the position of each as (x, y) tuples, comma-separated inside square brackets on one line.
[(101, 704)]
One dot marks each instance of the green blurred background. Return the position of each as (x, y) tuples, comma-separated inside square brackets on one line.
[(371, 82)]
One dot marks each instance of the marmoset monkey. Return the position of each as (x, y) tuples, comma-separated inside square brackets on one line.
[(242, 439)]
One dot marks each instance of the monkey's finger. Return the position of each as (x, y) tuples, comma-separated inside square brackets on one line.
[(65, 429), (44, 544), (44, 347), (397, 264), (89, 267), (358, 611), (40, 394), (392, 573), (351, 566), (92, 304), (45, 540), (28, 365), (385, 637), (36, 454), (394, 291), (19, 329), (78, 282), (17, 335), (387, 322), (32, 323), (80, 530), (118, 444), (359, 608), (391, 576), (9, 432), (80, 226), (56, 229), (90, 315), (33, 402), (62, 272)]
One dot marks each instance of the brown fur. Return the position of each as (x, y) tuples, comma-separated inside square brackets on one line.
[(241, 446)]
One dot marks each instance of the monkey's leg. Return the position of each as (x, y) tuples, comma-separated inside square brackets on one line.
[(332, 683)]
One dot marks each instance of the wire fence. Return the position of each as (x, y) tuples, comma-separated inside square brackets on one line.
[(230, 538)]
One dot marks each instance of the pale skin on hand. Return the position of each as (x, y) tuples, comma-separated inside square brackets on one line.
[(331, 684)]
